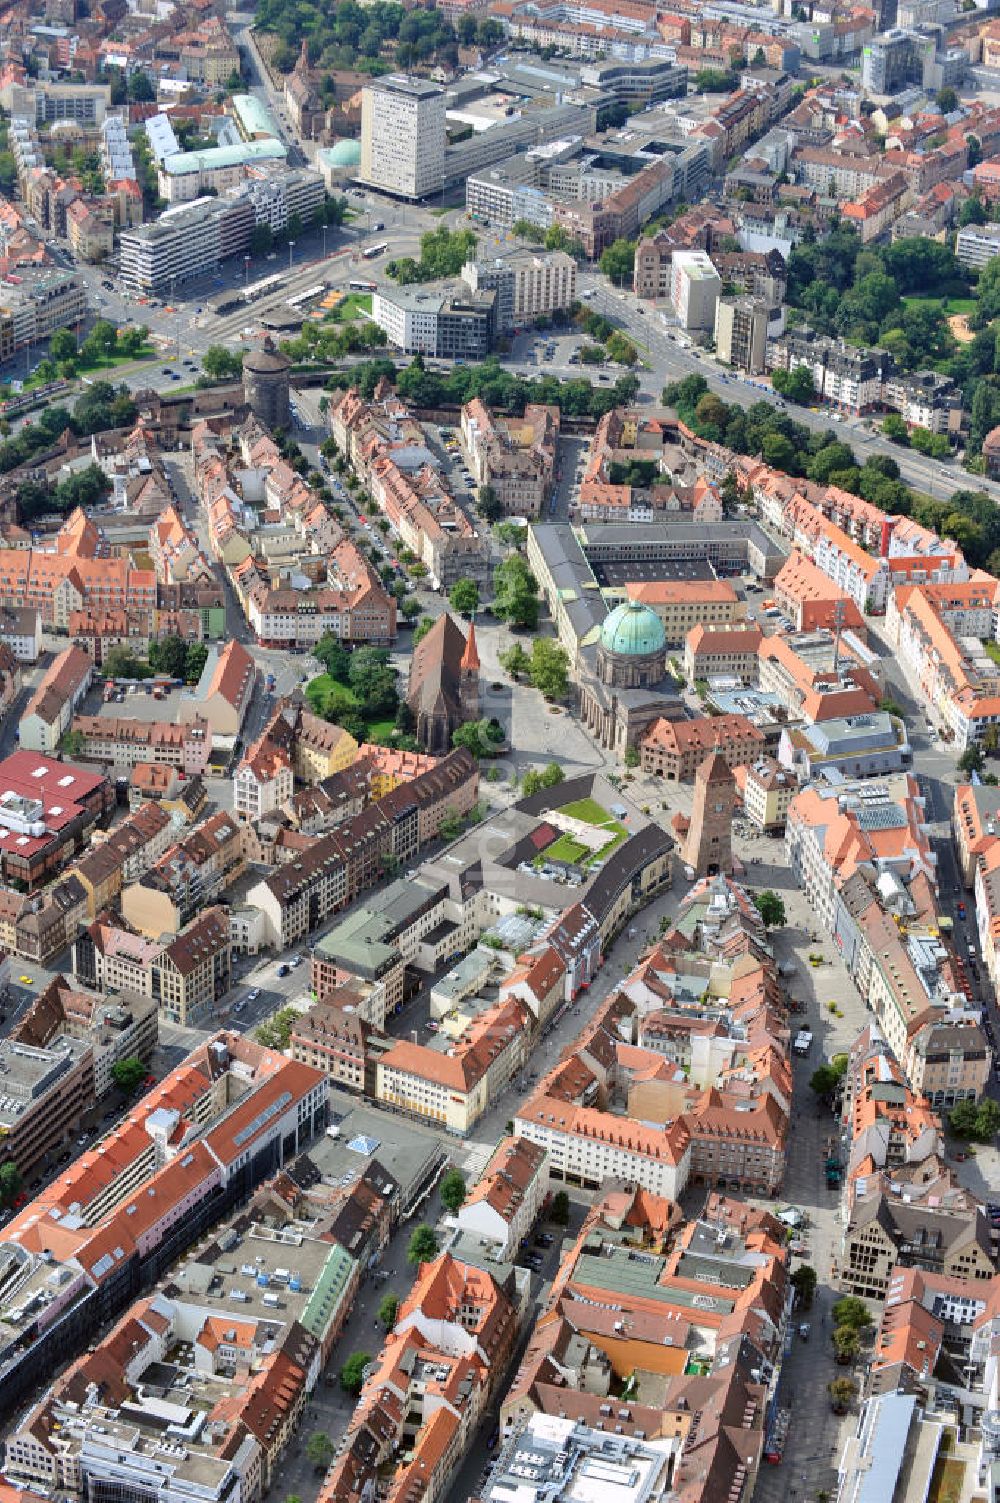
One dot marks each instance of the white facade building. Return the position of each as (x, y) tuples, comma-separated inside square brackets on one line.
[(695, 286), (403, 136)]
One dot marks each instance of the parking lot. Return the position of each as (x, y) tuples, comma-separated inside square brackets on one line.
[(136, 702)]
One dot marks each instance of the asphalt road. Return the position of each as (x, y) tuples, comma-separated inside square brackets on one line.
[(671, 362)]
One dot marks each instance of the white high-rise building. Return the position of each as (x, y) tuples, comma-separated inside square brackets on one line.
[(402, 136), (695, 286)]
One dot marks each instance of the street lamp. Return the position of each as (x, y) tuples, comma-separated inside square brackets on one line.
[(246, 271), (324, 242), (291, 247)]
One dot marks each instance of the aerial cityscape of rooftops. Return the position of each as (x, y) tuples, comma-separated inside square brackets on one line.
[(499, 751)]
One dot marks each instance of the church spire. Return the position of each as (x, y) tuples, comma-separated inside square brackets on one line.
[(470, 657)]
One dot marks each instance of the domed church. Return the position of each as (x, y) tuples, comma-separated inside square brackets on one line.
[(623, 680), (632, 650)]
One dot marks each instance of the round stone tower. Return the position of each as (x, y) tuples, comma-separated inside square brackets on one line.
[(265, 384)]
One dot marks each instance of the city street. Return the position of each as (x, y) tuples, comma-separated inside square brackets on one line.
[(671, 361)]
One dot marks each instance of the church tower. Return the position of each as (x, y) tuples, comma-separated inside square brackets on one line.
[(709, 844), (468, 688)]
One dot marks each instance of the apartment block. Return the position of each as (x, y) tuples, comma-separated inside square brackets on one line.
[(528, 284), (48, 809), (722, 651), (674, 750), (682, 604), (48, 714), (114, 1028), (695, 287), (242, 1112), (124, 743), (515, 457), (403, 136), (503, 1205), (186, 976), (38, 301), (183, 241)]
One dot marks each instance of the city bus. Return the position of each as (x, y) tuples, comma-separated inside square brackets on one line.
[(371, 251), (356, 284), (309, 296), (263, 288)]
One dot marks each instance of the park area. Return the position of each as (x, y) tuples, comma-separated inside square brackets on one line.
[(955, 309), (569, 847)]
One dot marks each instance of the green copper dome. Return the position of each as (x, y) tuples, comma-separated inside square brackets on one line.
[(346, 153), (632, 630)]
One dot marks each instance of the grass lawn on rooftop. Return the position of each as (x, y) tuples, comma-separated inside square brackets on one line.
[(567, 849), (589, 812), (587, 809)]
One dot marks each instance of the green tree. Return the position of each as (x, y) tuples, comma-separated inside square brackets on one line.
[(771, 909), (128, 1073), (261, 240), (169, 656), (62, 345), (559, 1212), (319, 1450), (552, 775), (422, 1246), (515, 661), (334, 656), (515, 593), (73, 744), (852, 1312), (387, 1310), (409, 608), (622, 350), (140, 89), (422, 628), (846, 1345), (352, 1374), (842, 1392), (825, 1081), (796, 385), (894, 427), (10, 1183), (971, 759), (489, 503), (276, 1032), (618, 261), (194, 661), (470, 736), (549, 669), (947, 100), (373, 681), (220, 363), (120, 662), (979, 1123), (102, 339), (453, 1190), (803, 1281), (464, 597), (973, 211), (714, 81), (8, 170), (632, 758)]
